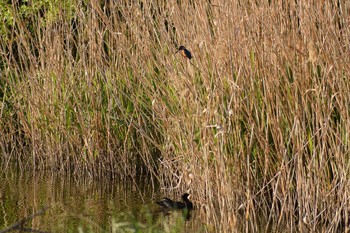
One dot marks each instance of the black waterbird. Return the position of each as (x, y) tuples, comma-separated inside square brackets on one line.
[(170, 204)]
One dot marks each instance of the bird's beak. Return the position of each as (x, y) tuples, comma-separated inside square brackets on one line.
[(177, 51)]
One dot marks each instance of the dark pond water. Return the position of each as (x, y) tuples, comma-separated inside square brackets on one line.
[(82, 204)]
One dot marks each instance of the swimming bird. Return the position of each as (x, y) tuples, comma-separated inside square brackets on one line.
[(184, 52), (170, 204)]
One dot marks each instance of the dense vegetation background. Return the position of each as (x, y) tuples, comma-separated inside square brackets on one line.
[(256, 127)]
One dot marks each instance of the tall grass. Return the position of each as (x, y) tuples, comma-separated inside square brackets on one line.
[(256, 128)]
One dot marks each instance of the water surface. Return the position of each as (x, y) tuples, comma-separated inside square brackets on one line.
[(77, 202)]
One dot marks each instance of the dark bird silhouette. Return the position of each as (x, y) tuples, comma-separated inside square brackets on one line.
[(170, 204), (184, 52)]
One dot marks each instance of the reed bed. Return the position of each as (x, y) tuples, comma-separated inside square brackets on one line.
[(256, 127)]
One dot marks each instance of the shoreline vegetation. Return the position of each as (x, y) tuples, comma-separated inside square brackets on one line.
[(256, 128)]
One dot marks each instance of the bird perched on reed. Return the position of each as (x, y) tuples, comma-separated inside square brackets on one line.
[(184, 52)]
